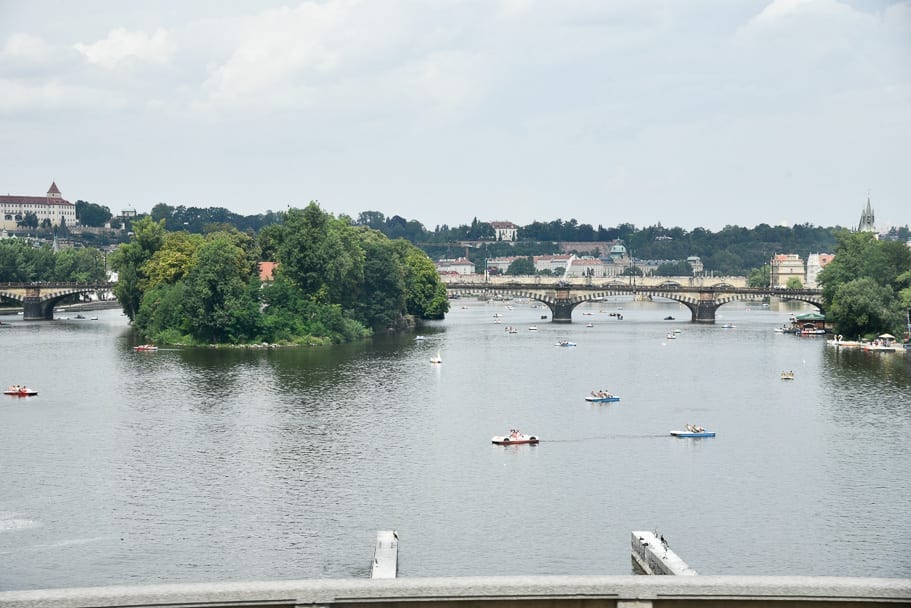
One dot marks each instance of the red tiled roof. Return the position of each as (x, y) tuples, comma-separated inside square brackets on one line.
[(266, 270), (33, 200), (53, 189)]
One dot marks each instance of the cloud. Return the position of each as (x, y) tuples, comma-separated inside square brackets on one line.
[(27, 97), (26, 47), (122, 45)]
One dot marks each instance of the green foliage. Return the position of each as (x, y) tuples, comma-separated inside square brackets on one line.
[(90, 214), (334, 282), (867, 287), (129, 260), (21, 262), (82, 265), (680, 268), (521, 266), (760, 277), (29, 220), (861, 307), (221, 304), (794, 283)]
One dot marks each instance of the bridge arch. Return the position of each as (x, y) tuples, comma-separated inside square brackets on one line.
[(39, 299), (702, 301)]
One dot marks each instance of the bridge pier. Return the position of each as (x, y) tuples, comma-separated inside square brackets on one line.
[(562, 312), (703, 310)]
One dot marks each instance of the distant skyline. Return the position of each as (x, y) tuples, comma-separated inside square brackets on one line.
[(702, 113)]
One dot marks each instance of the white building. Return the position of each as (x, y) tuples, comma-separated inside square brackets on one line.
[(786, 266), (455, 266), (52, 206), (505, 231), (815, 263)]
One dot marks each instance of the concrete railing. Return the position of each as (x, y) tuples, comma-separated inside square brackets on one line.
[(503, 592)]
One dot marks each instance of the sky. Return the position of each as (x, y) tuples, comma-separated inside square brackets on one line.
[(702, 113)]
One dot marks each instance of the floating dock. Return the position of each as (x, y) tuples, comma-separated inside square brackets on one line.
[(653, 556), (385, 555)]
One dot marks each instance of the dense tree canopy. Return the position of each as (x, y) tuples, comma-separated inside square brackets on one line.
[(867, 287), (335, 281), (20, 262), (90, 214)]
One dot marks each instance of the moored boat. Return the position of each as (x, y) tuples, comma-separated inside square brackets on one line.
[(20, 391), (788, 375), (565, 343), (437, 358), (514, 437), (145, 347)]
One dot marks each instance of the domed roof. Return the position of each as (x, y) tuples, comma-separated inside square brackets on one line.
[(618, 249)]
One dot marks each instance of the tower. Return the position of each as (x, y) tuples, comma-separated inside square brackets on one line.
[(54, 191), (867, 222)]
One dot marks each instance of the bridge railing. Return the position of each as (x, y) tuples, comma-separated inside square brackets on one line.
[(504, 592)]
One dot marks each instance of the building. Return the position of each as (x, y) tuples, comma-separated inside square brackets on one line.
[(557, 263), (786, 266), (52, 206), (815, 263), (585, 266), (867, 221), (458, 266), (505, 231)]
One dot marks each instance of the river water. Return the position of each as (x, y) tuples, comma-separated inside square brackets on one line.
[(201, 465)]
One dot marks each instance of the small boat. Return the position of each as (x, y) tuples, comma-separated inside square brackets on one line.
[(669, 318), (20, 391), (789, 375), (728, 326), (702, 433), (533, 328), (93, 318), (437, 358), (145, 347), (80, 317), (419, 338), (512, 330), (677, 331), (565, 343), (589, 325), (514, 437), (608, 398)]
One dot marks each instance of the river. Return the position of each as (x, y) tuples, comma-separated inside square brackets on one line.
[(194, 465)]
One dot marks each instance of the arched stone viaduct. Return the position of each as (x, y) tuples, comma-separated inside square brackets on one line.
[(702, 301), (39, 299)]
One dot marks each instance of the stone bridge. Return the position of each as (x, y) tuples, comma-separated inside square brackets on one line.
[(702, 300), (39, 299)]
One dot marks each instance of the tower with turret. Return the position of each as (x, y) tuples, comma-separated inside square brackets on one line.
[(867, 221)]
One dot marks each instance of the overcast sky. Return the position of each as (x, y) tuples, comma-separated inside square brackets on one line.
[(688, 113)]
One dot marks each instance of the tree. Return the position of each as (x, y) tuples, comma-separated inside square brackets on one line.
[(760, 277), (521, 266), (128, 260), (90, 214), (861, 307), (29, 220), (868, 283), (321, 255), (794, 283), (221, 298), (680, 268)]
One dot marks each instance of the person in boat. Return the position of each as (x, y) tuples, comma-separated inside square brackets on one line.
[(690, 427), (698, 429)]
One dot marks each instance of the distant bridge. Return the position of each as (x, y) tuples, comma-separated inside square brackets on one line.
[(702, 300), (38, 299)]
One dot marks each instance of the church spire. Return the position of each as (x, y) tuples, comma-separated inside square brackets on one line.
[(867, 220)]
